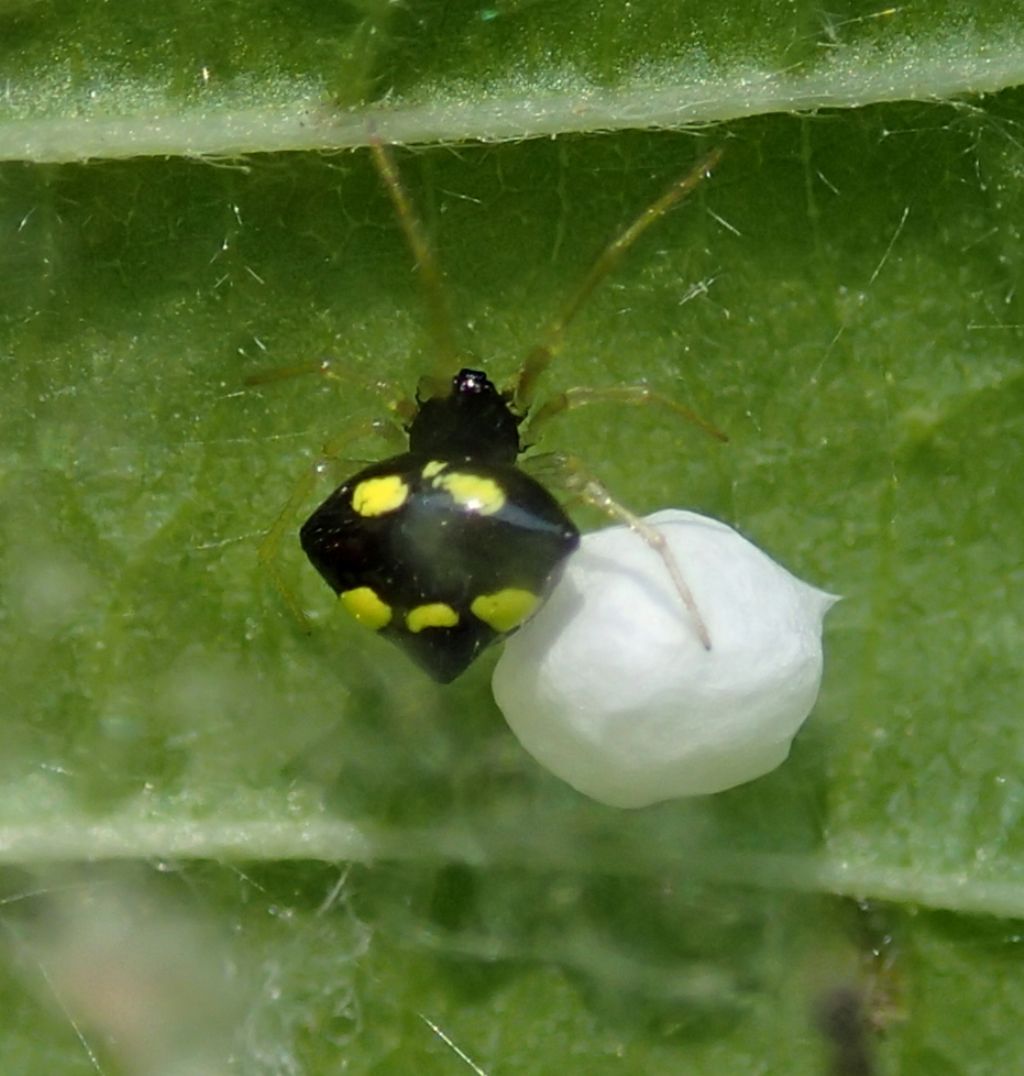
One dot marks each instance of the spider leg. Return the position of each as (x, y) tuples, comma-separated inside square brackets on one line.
[(571, 399), (401, 406), (439, 315), (584, 485), (538, 360)]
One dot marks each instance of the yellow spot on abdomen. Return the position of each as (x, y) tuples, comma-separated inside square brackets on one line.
[(433, 468), (365, 605), (473, 491), (377, 496), (434, 615), (504, 609)]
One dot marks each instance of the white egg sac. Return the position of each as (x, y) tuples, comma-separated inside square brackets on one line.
[(610, 687)]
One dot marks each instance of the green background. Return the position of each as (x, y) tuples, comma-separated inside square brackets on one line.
[(230, 846)]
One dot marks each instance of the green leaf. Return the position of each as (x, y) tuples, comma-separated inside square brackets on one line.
[(841, 298), (122, 80)]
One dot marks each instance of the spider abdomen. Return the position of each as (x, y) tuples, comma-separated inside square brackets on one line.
[(442, 556)]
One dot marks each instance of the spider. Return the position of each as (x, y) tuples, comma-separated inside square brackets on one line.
[(451, 545)]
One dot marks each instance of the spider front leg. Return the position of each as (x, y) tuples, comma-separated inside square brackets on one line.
[(584, 485), (439, 315), (552, 338), (269, 551)]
